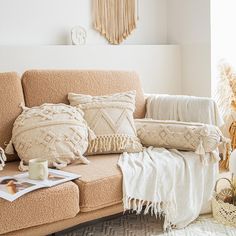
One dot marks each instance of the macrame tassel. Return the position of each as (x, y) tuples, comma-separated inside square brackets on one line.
[(215, 156), (23, 167), (3, 158), (114, 143), (23, 107), (200, 149), (115, 19), (59, 165), (91, 134), (9, 148), (81, 159)]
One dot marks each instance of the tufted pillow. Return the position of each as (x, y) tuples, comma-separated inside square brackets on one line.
[(198, 137), (56, 132), (111, 119)]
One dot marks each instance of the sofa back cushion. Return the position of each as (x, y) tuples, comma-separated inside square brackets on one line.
[(11, 95), (53, 86)]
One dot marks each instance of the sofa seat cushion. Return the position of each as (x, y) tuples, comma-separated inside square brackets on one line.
[(39, 207), (101, 182)]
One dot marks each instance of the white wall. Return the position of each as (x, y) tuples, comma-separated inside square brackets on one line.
[(188, 24), (184, 22), (223, 19), (158, 66), (46, 22)]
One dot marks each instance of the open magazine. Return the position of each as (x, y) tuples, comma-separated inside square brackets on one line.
[(13, 187)]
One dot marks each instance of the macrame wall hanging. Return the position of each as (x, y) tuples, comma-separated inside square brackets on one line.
[(115, 19)]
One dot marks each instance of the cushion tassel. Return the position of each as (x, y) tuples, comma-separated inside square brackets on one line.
[(91, 134), (59, 165), (23, 107), (9, 148), (215, 156), (81, 159), (200, 149), (23, 167), (3, 158)]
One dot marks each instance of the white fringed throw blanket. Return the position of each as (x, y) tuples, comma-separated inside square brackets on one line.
[(183, 108), (165, 182)]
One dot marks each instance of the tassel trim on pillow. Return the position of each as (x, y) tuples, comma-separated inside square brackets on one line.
[(200, 150), (113, 144), (9, 148), (22, 167), (3, 158), (57, 163), (91, 135)]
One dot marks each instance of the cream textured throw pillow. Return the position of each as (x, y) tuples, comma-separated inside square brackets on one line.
[(56, 132), (197, 137), (111, 119)]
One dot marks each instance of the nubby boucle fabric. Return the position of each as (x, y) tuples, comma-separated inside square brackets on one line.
[(11, 96), (37, 208), (56, 132), (56, 84), (111, 119)]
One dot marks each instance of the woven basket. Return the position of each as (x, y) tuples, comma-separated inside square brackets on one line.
[(223, 212)]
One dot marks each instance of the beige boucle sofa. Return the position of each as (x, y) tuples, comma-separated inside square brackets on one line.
[(98, 193)]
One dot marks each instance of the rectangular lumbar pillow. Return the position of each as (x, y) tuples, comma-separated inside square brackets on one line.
[(198, 137), (111, 119), (56, 132)]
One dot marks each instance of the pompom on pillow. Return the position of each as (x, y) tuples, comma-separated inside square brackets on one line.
[(111, 119), (197, 137), (56, 132)]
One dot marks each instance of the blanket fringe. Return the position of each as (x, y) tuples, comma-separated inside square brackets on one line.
[(158, 209)]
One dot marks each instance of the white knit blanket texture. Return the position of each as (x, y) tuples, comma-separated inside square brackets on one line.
[(183, 108), (167, 183), (172, 183)]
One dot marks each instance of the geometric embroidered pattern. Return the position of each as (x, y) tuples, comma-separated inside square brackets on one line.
[(178, 135), (56, 132), (111, 119)]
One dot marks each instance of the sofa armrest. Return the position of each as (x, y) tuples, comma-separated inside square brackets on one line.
[(183, 108)]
